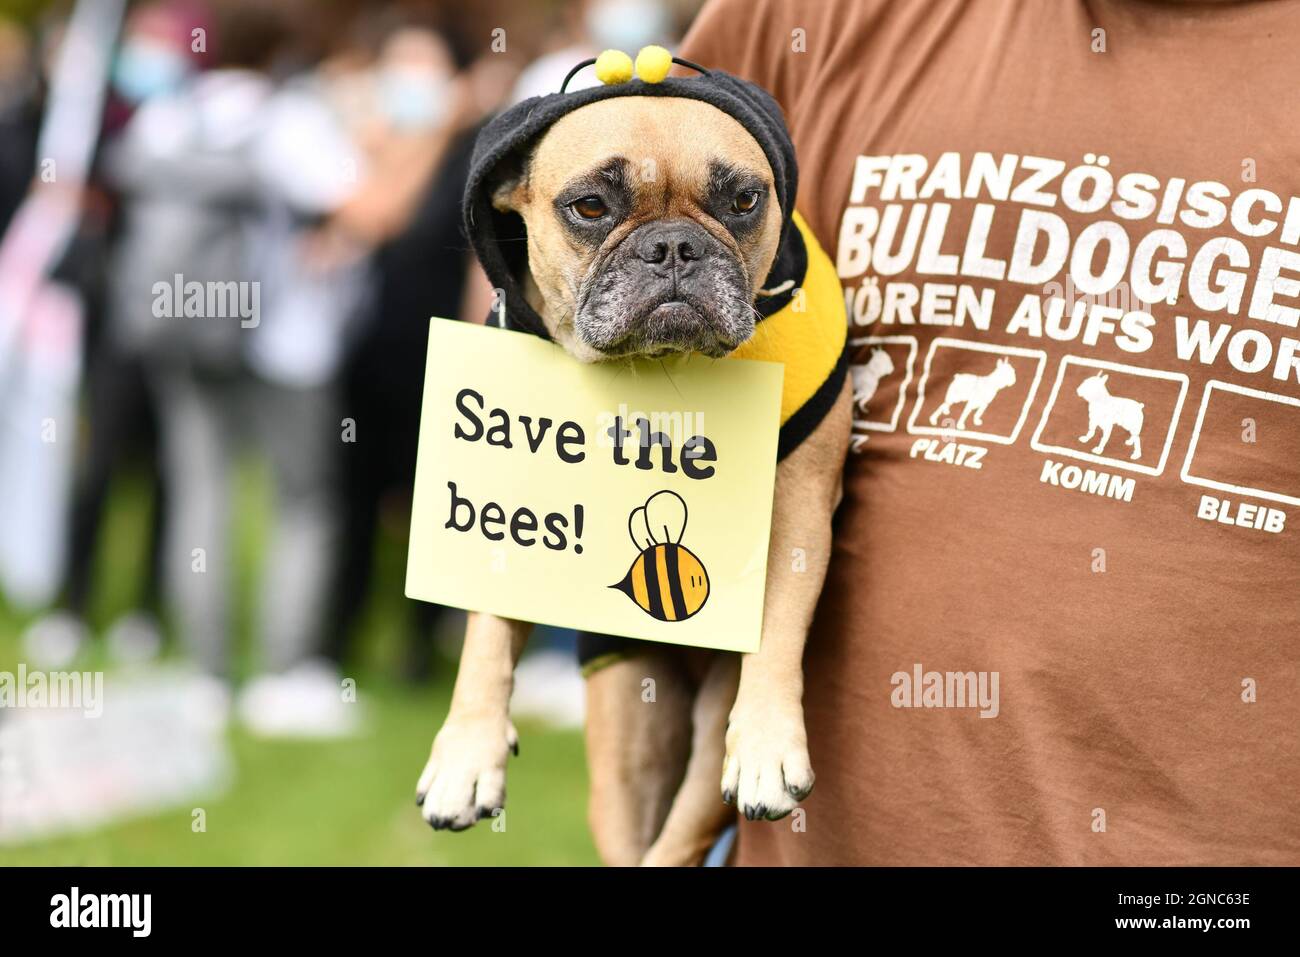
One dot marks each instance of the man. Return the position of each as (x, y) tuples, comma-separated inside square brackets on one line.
[(1060, 623)]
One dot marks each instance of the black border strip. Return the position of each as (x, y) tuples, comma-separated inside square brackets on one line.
[(650, 570), (805, 421)]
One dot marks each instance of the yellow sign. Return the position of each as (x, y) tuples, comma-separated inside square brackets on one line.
[(628, 499)]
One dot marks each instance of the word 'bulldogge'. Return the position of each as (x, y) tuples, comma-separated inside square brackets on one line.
[(659, 219)]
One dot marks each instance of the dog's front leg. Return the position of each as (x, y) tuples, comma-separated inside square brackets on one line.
[(465, 777), (767, 770)]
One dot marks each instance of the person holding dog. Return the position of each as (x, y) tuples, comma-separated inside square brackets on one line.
[(1144, 654)]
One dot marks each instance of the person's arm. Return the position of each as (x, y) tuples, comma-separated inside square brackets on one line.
[(401, 171), (386, 199)]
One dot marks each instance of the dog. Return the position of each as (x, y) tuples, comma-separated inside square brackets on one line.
[(976, 391), (866, 377), (1105, 411), (623, 265)]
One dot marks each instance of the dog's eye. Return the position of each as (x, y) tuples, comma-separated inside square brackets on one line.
[(745, 202), (589, 207)]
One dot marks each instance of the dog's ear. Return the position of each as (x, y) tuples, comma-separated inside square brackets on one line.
[(510, 184)]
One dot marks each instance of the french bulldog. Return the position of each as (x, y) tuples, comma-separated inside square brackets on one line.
[(652, 223)]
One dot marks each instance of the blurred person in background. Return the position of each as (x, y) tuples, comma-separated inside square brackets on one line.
[(315, 258), (417, 139), (120, 423), (221, 178)]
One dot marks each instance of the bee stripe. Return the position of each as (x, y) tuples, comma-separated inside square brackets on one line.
[(654, 604), (639, 593), (664, 583), (674, 582)]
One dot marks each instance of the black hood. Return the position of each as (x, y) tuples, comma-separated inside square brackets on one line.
[(499, 238)]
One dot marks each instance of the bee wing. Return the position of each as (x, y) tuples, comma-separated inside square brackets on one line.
[(665, 515), (639, 530)]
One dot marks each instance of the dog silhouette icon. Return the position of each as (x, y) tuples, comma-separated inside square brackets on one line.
[(1105, 411)]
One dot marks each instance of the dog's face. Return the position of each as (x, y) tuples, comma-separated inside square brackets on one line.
[(652, 222)]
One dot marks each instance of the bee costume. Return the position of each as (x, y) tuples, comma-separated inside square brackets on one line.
[(667, 581), (802, 320)]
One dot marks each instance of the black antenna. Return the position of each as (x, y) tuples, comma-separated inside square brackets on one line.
[(690, 66), (574, 72)]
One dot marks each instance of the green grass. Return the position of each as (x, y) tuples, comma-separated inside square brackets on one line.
[(324, 803), (351, 803)]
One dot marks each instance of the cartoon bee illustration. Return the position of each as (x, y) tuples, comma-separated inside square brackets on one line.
[(666, 581)]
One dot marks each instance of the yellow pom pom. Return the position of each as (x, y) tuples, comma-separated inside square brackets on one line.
[(653, 64), (613, 66)]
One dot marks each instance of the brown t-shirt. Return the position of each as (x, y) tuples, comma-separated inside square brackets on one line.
[(1069, 241)]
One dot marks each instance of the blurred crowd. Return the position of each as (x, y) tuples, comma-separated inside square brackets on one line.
[(268, 214)]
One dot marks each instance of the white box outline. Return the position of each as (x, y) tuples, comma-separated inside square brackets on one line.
[(913, 349), (955, 433), (1190, 479), (1129, 464)]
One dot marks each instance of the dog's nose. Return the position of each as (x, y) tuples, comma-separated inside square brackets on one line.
[(669, 245)]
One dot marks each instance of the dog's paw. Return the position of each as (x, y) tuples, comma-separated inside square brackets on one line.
[(465, 777), (767, 771)]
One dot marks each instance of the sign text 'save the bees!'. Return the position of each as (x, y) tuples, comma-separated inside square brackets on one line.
[(623, 498)]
